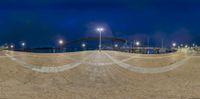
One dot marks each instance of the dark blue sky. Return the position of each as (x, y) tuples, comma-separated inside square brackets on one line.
[(42, 22)]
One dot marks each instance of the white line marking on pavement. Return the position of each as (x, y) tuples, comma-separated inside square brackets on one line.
[(148, 70), (98, 59), (45, 69)]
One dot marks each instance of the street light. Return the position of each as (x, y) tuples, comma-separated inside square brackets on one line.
[(137, 43), (193, 45), (61, 42), (181, 45), (11, 46), (23, 44), (100, 30), (186, 46), (116, 45), (83, 45), (174, 44)]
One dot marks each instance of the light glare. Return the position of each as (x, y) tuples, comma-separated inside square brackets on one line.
[(11, 46), (83, 45), (100, 29), (23, 44), (174, 44), (116, 45), (60, 42), (137, 43)]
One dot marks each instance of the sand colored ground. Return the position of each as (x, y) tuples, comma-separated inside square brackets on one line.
[(98, 76)]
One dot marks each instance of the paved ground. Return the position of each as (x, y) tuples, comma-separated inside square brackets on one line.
[(99, 75)]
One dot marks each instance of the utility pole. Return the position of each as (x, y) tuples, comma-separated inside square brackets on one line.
[(162, 43)]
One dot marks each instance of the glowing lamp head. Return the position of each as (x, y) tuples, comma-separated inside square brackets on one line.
[(83, 45), (116, 45), (100, 29), (60, 42), (174, 44), (137, 43), (193, 44), (23, 44), (11, 46), (181, 45), (186, 46)]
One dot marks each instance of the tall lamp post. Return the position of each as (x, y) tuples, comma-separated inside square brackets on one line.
[(61, 42), (23, 44), (137, 43), (12, 46), (174, 45), (83, 45), (100, 30), (162, 45)]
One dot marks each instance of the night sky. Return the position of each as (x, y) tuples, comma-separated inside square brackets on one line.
[(43, 22)]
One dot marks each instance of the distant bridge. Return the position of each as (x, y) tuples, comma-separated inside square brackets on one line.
[(96, 39), (112, 39)]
